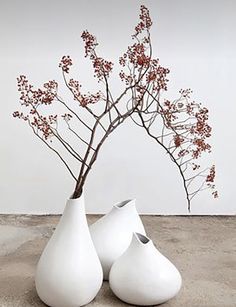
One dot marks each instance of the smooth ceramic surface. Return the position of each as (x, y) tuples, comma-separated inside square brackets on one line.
[(143, 276), (69, 273), (112, 233)]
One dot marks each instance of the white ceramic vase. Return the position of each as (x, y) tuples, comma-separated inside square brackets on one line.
[(69, 273), (113, 233), (143, 276)]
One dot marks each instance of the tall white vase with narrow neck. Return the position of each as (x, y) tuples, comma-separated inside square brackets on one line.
[(69, 273), (112, 233), (142, 276)]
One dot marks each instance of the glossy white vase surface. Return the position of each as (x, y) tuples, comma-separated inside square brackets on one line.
[(143, 276), (69, 273), (113, 233)]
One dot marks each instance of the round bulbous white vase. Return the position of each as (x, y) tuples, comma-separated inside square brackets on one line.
[(113, 233), (69, 273), (142, 276)]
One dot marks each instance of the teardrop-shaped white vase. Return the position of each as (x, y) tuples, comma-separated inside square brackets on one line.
[(69, 273), (142, 276), (113, 233)]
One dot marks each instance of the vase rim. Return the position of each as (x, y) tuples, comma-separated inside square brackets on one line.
[(120, 205), (74, 200), (141, 238)]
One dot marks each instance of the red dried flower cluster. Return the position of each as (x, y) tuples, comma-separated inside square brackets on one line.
[(75, 87), (178, 140), (187, 123), (200, 147), (156, 76), (65, 63), (185, 93), (83, 99), (136, 56), (128, 79), (102, 67), (49, 92), (44, 124), (20, 115), (138, 62), (212, 174), (169, 112), (145, 21), (31, 97), (193, 134), (210, 181), (41, 123), (90, 43), (202, 128), (90, 99), (200, 131)]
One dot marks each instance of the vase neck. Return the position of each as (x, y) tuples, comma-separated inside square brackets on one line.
[(141, 241), (75, 206), (125, 205)]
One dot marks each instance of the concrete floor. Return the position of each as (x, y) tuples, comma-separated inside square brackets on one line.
[(203, 249)]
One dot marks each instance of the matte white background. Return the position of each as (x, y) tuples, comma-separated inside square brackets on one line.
[(195, 39)]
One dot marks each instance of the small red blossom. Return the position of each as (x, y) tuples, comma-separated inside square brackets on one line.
[(183, 153), (67, 117), (215, 194), (151, 76), (185, 92), (20, 115), (195, 166), (178, 140)]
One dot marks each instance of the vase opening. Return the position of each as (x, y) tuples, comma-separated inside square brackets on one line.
[(123, 203), (141, 238), (77, 197), (72, 198)]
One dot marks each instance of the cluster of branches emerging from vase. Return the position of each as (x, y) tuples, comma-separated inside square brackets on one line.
[(180, 127)]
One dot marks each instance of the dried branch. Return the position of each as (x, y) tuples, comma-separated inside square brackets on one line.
[(180, 126)]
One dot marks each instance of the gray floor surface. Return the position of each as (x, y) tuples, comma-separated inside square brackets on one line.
[(203, 249)]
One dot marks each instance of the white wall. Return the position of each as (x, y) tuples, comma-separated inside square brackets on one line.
[(195, 39)]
